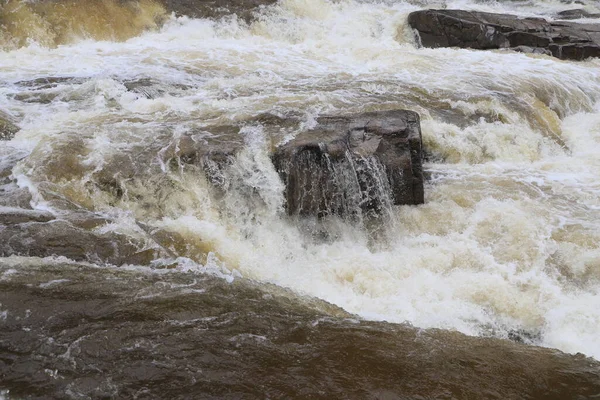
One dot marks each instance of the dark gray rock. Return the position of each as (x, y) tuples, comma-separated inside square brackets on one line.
[(576, 14), (356, 163), (215, 147), (479, 30), (45, 90)]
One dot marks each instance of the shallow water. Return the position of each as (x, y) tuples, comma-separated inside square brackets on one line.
[(506, 243)]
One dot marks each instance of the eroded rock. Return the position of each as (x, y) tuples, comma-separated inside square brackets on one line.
[(354, 163), (479, 30)]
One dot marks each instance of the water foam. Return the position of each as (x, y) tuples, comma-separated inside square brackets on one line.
[(505, 242)]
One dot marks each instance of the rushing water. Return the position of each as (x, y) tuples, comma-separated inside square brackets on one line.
[(507, 240)]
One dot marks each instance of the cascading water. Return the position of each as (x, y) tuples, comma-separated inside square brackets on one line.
[(505, 246)]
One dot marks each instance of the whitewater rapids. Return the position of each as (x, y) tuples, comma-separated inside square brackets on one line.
[(507, 240)]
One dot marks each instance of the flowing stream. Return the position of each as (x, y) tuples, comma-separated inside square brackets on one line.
[(505, 246)]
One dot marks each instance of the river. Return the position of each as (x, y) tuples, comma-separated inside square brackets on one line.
[(505, 247)]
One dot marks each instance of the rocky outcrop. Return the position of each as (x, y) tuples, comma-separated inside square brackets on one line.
[(353, 163), (479, 30)]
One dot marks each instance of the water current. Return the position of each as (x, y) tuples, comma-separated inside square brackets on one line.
[(107, 95)]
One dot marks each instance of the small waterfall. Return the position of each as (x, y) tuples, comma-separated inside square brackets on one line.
[(352, 186)]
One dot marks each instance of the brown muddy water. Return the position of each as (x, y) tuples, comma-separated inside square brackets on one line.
[(80, 331), (128, 271)]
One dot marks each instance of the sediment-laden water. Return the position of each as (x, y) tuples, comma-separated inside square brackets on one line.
[(213, 289)]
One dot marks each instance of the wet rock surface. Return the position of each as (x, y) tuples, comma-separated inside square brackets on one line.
[(8, 126), (11, 195), (11, 216), (366, 161), (343, 165), (107, 333), (152, 89), (28, 233), (215, 8), (479, 30), (576, 14)]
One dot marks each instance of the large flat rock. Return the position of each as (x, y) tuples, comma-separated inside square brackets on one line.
[(479, 30)]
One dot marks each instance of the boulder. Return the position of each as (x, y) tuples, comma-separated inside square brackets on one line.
[(349, 164), (479, 30)]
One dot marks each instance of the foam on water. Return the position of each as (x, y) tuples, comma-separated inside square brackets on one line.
[(507, 239)]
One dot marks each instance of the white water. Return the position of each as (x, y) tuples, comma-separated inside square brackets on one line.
[(508, 237)]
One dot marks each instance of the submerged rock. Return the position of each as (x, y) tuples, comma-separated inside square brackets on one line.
[(8, 128), (353, 163), (152, 89), (215, 8), (28, 233), (479, 30), (576, 14), (343, 165), (11, 195), (212, 148), (13, 215)]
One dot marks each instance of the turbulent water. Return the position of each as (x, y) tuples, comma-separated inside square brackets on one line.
[(506, 243)]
